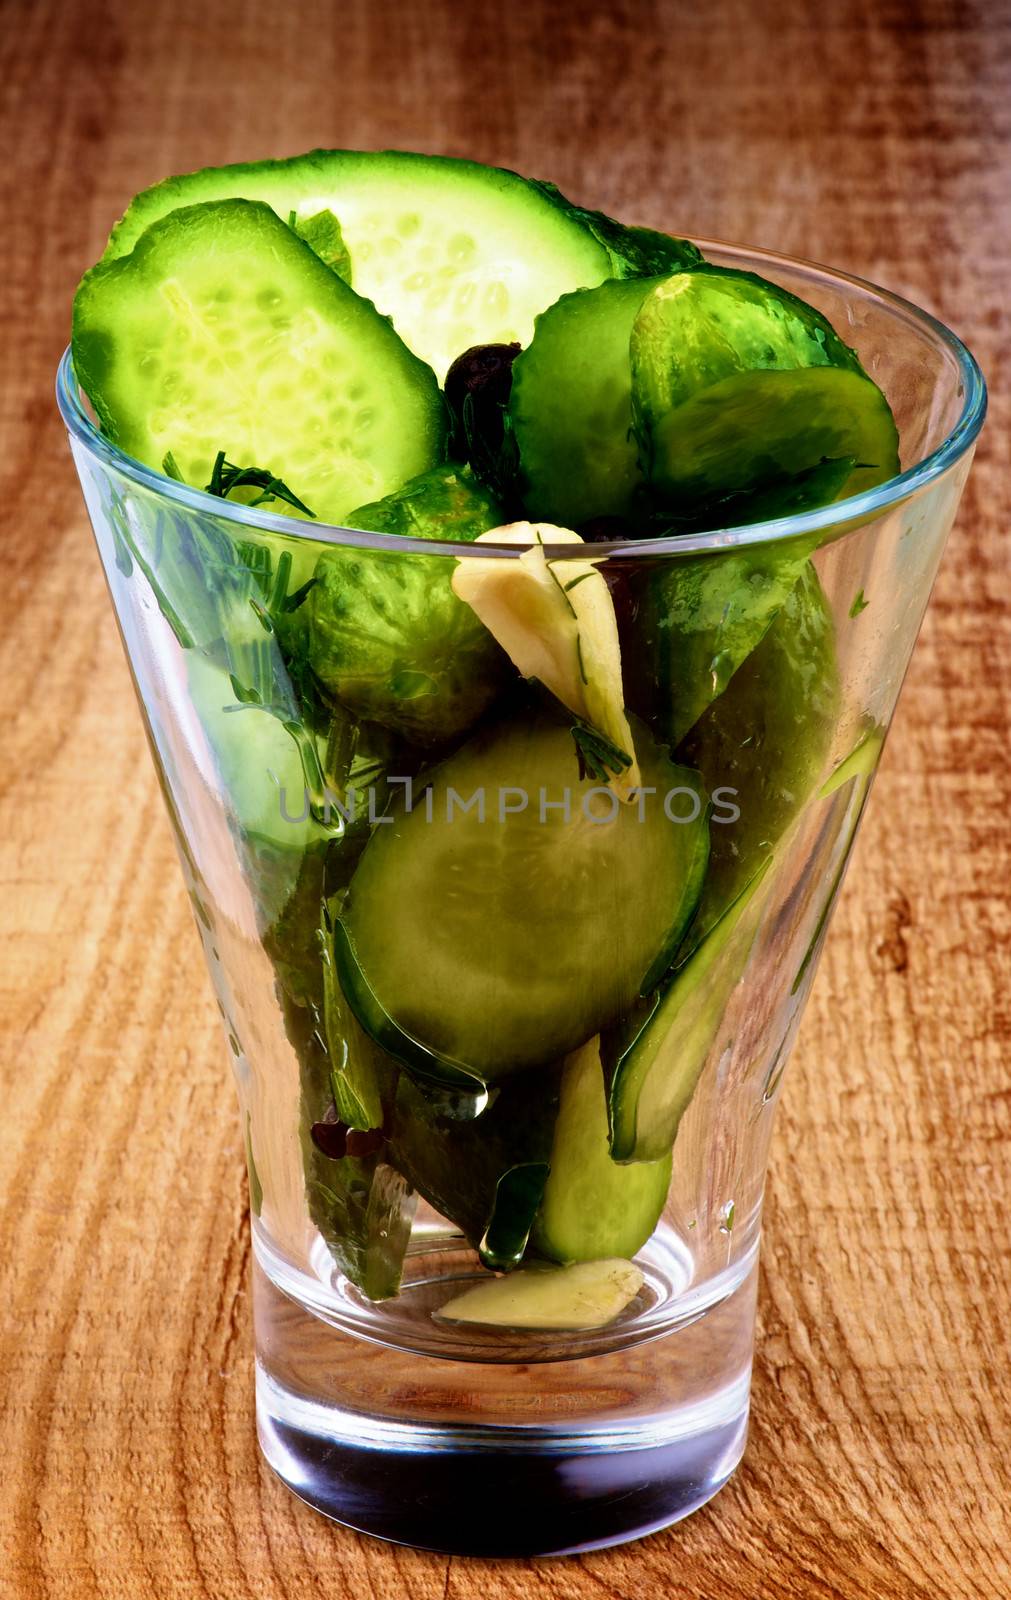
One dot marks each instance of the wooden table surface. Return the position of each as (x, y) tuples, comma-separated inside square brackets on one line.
[(876, 136)]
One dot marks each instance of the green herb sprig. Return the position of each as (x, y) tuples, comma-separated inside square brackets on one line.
[(598, 756), (226, 476)]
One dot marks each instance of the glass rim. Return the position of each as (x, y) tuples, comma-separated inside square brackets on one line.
[(835, 519)]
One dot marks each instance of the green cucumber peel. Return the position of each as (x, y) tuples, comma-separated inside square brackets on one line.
[(654, 1063), (570, 408), (427, 1067), (861, 762), (255, 1186), (455, 1165), (765, 740), (858, 768), (815, 486), (697, 621), (698, 329), (355, 1085), (634, 252), (388, 638), (756, 431), (695, 879), (517, 1196), (739, 389)]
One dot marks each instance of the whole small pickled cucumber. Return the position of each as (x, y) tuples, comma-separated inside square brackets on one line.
[(737, 385), (385, 633)]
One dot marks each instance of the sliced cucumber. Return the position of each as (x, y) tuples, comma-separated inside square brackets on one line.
[(515, 910), (458, 1164), (591, 1206), (259, 768), (435, 1068), (815, 486), (570, 407), (857, 769), (761, 428), (456, 253), (517, 1196), (446, 503), (386, 634), (223, 331), (654, 1068), (590, 1294), (767, 740), (696, 621), (634, 252), (358, 1071), (361, 1206)]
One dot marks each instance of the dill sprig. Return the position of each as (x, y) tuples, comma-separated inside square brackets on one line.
[(598, 756), (226, 476)]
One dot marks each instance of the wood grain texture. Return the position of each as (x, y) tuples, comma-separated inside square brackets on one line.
[(876, 136)]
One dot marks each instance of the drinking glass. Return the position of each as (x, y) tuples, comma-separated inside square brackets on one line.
[(781, 647)]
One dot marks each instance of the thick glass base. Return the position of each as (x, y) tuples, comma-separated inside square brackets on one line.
[(508, 1458), (431, 1489)]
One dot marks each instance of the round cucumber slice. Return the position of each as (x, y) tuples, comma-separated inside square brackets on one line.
[(456, 253), (762, 427), (514, 910), (570, 407), (457, 1163), (223, 331), (591, 1206)]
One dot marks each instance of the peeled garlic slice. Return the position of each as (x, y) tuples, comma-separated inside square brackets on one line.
[(589, 1294), (556, 622)]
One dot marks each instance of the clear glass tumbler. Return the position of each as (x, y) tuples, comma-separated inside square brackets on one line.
[(373, 930)]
